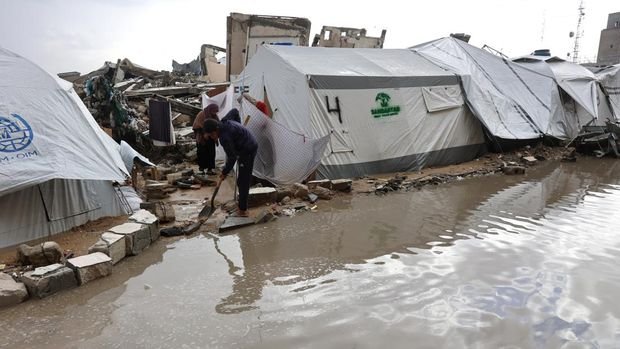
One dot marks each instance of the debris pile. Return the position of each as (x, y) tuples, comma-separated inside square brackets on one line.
[(118, 96)]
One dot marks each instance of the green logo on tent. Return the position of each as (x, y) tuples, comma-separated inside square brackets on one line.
[(385, 109)]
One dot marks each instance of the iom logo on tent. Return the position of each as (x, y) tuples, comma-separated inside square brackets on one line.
[(15, 133), (384, 108)]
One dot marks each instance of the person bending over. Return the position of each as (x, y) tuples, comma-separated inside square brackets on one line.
[(239, 145)]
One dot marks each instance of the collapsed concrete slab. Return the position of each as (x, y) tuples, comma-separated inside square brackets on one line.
[(147, 218), (11, 291), (113, 245), (137, 236), (90, 267), (232, 223), (45, 281)]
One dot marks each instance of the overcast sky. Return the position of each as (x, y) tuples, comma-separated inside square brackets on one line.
[(67, 35)]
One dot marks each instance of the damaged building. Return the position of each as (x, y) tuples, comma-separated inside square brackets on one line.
[(348, 38), (245, 33)]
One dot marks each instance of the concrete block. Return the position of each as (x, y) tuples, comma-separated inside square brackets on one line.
[(90, 267), (113, 245), (325, 183), (162, 210), (147, 218), (261, 196), (284, 192), (45, 281), (342, 185), (137, 236), (11, 291)]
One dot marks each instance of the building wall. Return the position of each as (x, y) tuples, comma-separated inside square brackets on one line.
[(347, 37), (609, 44), (245, 33)]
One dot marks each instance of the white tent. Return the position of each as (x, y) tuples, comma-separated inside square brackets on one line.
[(610, 80), (56, 164), (581, 94), (512, 101), (386, 110)]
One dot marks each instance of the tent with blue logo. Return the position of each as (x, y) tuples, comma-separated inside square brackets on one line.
[(57, 166)]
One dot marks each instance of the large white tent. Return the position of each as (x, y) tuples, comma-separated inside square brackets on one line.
[(512, 101), (582, 97), (385, 110), (609, 78), (56, 165)]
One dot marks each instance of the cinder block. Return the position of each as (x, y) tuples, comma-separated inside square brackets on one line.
[(111, 244), (90, 267), (137, 236), (147, 218), (45, 281)]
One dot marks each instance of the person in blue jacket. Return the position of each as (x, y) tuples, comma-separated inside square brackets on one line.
[(239, 145)]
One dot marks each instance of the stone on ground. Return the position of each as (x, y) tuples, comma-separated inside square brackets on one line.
[(147, 218), (111, 244), (45, 281), (90, 267), (261, 196), (300, 191), (11, 292), (39, 255), (284, 192), (322, 193), (325, 183), (342, 185), (137, 236)]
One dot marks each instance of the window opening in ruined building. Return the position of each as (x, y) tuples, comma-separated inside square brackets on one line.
[(327, 35), (343, 34)]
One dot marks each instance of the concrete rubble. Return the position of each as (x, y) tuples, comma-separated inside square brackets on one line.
[(45, 281), (11, 291), (40, 255), (90, 267), (137, 236), (113, 245)]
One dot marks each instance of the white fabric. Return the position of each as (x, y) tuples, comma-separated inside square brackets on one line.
[(283, 157), (55, 206), (578, 82), (610, 79), (442, 97), (129, 155), (65, 142), (360, 143), (511, 101)]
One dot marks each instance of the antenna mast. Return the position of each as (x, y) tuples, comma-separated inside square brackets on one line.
[(578, 32)]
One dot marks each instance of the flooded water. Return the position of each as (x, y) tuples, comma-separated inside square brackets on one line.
[(513, 262)]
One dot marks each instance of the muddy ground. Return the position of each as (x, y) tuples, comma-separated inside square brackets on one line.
[(188, 203)]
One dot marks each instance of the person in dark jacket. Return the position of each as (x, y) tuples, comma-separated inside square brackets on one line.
[(239, 145), (233, 115), (205, 147)]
